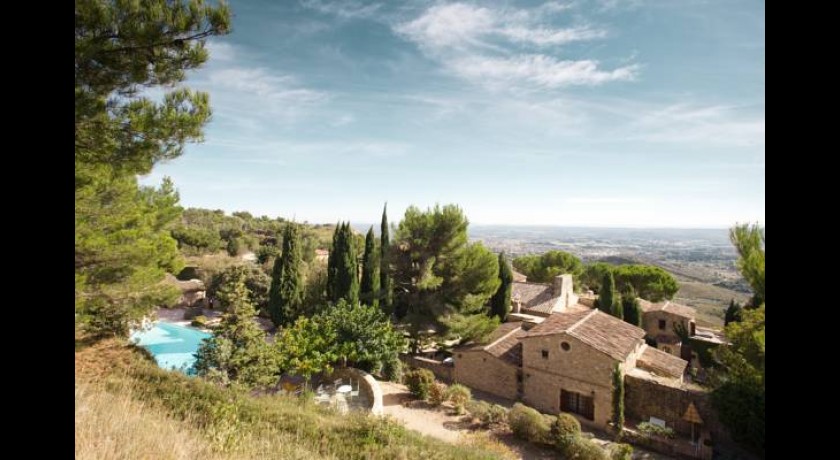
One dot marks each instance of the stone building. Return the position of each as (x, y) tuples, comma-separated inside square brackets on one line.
[(663, 320), (193, 291), (529, 300), (565, 362)]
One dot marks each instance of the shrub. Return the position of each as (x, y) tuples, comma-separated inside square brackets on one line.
[(584, 449), (621, 452), (460, 396), (199, 321), (478, 409), (564, 430), (392, 370), (485, 442), (655, 430), (497, 414), (528, 424), (419, 381), (437, 393)]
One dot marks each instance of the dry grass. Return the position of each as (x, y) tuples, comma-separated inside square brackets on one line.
[(128, 408), (110, 426)]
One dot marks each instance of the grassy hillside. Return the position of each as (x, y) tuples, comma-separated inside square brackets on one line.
[(128, 408), (709, 300)]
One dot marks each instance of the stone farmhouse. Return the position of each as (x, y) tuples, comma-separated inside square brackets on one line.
[(556, 353)]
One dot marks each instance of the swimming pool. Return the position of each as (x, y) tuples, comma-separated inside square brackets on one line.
[(172, 345)]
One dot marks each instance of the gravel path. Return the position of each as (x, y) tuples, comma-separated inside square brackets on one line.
[(429, 421)]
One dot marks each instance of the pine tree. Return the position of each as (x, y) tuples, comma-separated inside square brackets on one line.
[(500, 302), (631, 308), (369, 289), (237, 352), (733, 313), (287, 286), (384, 264), (618, 399), (606, 297)]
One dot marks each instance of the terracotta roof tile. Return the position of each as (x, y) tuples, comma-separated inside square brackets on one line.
[(503, 343), (668, 306), (659, 362), (601, 331), (534, 297)]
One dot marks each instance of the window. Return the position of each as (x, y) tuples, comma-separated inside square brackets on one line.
[(577, 403), (565, 346), (692, 330), (518, 377), (662, 324), (545, 354)]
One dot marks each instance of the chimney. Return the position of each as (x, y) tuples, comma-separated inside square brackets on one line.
[(557, 285)]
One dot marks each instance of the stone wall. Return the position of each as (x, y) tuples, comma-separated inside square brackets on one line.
[(483, 371), (581, 369), (367, 385), (442, 371), (650, 323), (644, 399)]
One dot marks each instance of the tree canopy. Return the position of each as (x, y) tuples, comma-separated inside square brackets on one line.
[(343, 266), (385, 284), (438, 275), (285, 301), (648, 282), (739, 379), (123, 245), (545, 267)]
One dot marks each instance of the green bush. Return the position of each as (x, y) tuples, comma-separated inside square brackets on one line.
[(437, 393), (655, 430), (460, 396), (419, 381), (584, 449), (564, 429), (392, 370), (199, 321), (621, 452), (528, 424)]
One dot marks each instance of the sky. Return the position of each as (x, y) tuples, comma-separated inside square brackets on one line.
[(623, 113)]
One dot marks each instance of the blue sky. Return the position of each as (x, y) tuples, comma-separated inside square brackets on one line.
[(645, 113)]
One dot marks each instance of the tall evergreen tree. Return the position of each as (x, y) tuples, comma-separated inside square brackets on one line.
[(237, 352), (123, 246), (631, 308), (606, 297), (618, 399), (500, 302), (369, 289), (385, 265), (287, 286), (345, 279), (332, 263)]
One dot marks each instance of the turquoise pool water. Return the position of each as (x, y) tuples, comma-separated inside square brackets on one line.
[(173, 346)]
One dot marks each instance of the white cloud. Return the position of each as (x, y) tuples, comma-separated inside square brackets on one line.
[(537, 69), (259, 82), (220, 51), (686, 123), (490, 46), (347, 9)]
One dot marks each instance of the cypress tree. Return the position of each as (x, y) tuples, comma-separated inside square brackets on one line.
[(286, 292), (345, 283), (618, 399), (369, 288), (606, 296), (630, 306), (332, 264), (384, 265), (500, 302)]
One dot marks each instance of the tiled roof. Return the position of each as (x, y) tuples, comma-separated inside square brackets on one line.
[(504, 343), (668, 306), (519, 277), (659, 362), (534, 297), (601, 331)]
